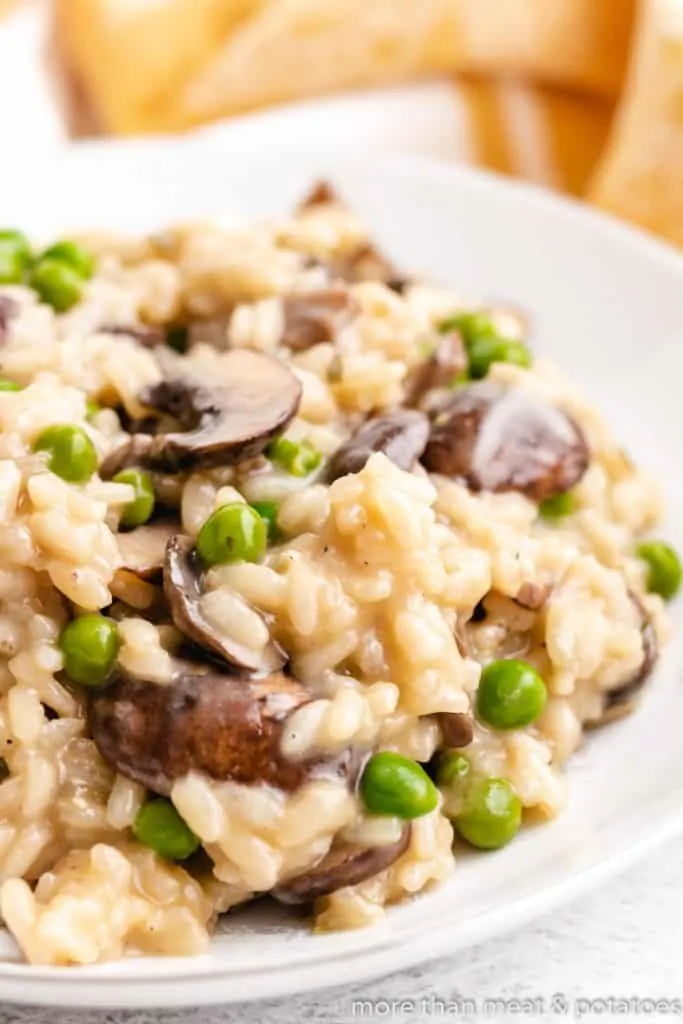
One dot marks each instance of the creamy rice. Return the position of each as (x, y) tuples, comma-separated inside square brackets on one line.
[(384, 592)]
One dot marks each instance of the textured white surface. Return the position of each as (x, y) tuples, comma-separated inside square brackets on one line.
[(625, 941)]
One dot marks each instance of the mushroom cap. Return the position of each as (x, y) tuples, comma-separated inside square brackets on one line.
[(401, 435), (365, 262), (224, 423), (447, 361), (228, 727), (314, 317), (344, 864), (506, 439), (623, 699), (182, 587), (143, 549), (319, 194), (457, 728)]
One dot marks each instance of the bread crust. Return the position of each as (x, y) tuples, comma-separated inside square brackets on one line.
[(638, 178), (175, 64)]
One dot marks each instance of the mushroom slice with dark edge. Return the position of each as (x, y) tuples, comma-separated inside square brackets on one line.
[(320, 194), (213, 333), (222, 423), (401, 435), (229, 727), (457, 728), (143, 549), (345, 864), (623, 699), (362, 263), (366, 263), (505, 439), (182, 587), (314, 317), (8, 309), (438, 370), (532, 596)]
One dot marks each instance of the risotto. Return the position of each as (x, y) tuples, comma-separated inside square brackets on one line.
[(308, 571)]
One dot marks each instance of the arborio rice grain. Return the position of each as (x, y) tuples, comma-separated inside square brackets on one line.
[(382, 593)]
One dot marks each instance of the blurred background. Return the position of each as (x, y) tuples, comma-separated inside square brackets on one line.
[(580, 96)]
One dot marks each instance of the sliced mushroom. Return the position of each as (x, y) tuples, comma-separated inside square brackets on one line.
[(345, 864), (212, 332), (320, 194), (457, 728), (182, 587), (8, 309), (222, 423), (505, 439), (229, 727), (365, 263), (401, 435), (532, 596), (447, 361), (623, 699), (143, 549), (462, 638), (314, 317)]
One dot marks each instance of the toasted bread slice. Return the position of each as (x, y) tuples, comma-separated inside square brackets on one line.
[(639, 178), (125, 56), (541, 134), (167, 64), (297, 48)]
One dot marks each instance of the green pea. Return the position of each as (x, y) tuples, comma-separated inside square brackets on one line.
[(299, 458), (491, 816), (140, 509), (234, 533), (663, 568), (488, 350), (452, 768), (9, 385), (268, 511), (470, 325), (72, 455), (57, 284), (89, 644), (73, 254), (484, 343), (511, 694), (557, 507), (393, 784), (159, 826), (15, 256)]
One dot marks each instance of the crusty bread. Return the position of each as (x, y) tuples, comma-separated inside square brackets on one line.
[(639, 177), (128, 57), (170, 64), (544, 135)]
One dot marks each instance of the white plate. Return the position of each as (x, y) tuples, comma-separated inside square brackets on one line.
[(607, 304)]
